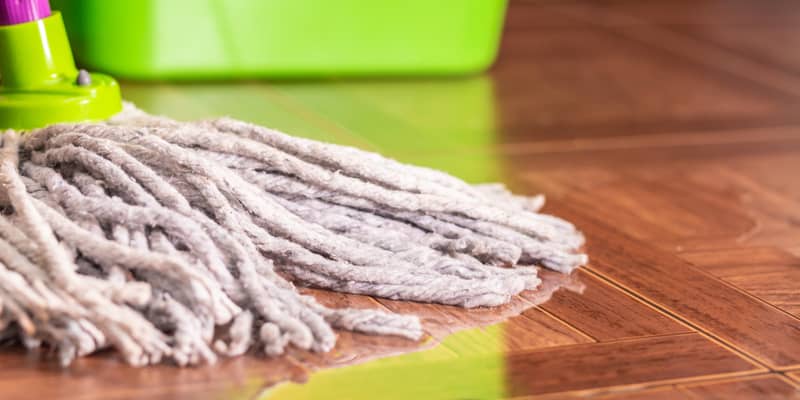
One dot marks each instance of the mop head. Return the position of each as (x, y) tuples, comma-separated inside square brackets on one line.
[(182, 241)]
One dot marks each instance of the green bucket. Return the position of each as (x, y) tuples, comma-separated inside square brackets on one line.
[(197, 39)]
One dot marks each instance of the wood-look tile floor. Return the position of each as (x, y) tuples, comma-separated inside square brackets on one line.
[(669, 132)]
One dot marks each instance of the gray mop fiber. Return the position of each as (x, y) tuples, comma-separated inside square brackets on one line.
[(182, 241)]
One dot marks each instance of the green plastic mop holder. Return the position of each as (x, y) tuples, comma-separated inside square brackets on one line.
[(39, 84)]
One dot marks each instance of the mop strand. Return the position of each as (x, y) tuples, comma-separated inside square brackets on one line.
[(182, 242)]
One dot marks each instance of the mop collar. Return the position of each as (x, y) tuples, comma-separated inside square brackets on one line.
[(183, 241)]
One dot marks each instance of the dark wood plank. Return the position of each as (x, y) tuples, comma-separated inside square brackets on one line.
[(688, 12), (33, 377), (669, 211), (770, 274), (749, 324), (625, 362), (595, 81), (665, 208), (724, 262), (606, 313), (617, 158), (535, 329), (671, 392), (762, 387), (744, 28), (718, 60)]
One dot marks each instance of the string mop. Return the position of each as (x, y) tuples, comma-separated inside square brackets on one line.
[(183, 241)]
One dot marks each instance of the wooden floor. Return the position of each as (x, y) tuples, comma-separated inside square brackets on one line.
[(669, 132)]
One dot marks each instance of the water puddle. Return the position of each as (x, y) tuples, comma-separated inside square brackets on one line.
[(464, 357)]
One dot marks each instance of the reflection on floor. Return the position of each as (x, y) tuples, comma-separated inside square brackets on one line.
[(463, 358)]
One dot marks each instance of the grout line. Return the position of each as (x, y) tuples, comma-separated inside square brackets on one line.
[(565, 323), (752, 358), (640, 386), (743, 291), (723, 280), (617, 341), (682, 389), (691, 138), (748, 355), (640, 299), (746, 378), (653, 336), (666, 140), (646, 388), (782, 376), (795, 381), (709, 274)]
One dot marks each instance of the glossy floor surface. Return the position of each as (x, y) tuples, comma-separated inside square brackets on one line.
[(669, 132)]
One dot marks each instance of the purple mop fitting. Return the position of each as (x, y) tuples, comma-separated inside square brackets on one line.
[(183, 241), (14, 12)]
